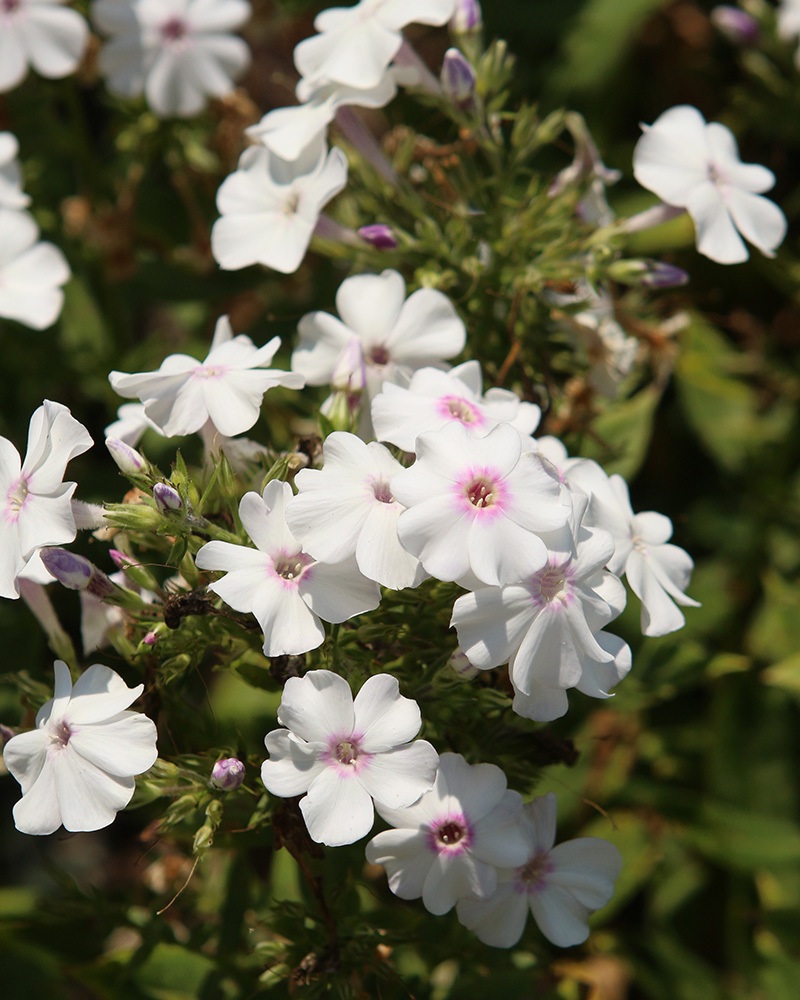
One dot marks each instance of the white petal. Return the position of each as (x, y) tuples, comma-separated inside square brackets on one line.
[(337, 810), (500, 839), (379, 553), (383, 717), (123, 746), (54, 38), (428, 330), (539, 819), (588, 868), (454, 878), (37, 812), (436, 533), (491, 623), (292, 766), (25, 756), (88, 797), (671, 157), (13, 69), (406, 857), (758, 219), (317, 706), (543, 704), (498, 921), (338, 591), (370, 304), (398, 778), (717, 236), (290, 627), (99, 694)]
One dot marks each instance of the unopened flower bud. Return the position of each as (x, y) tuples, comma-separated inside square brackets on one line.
[(227, 774), (648, 273), (135, 572), (166, 497), (735, 24), (379, 236), (458, 79), (461, 666), (76, 572), (350, 371), (468, 17), (128, 459)]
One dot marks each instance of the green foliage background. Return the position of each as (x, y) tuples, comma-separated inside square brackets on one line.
[(692, 769)]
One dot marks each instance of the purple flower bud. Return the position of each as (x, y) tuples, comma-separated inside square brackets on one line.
[(227, 774), (128, 459), (5, 734), (166, 497), (379, 236), (468, 16), (458, 79), (150, 639), (648, 273), (76, 572), (461, 666), (735, 24)]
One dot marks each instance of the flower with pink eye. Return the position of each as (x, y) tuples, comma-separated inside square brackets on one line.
[(478, 505), (285, 588), (559, 885), (446, 847), (341, 753)]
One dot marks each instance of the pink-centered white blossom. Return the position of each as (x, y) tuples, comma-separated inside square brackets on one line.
[(340, 753), (356, 44), (35, 505), (449, 845), (31, 272), (433, 399), (77, 766), (695, 165), (270, 207), (548, 626), (226, 388), (179, 53), (42, 34), (289, 593), (658, 572), (347, 509), (561, 886), (380, 335), (476, 506)]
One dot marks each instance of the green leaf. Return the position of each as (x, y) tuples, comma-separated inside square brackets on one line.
[(173, 973), (622, 433), (744, 840)]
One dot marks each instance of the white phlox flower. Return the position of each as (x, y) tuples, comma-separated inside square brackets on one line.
[(11, 193), (291, 132), (433, 399), (31, 272), (340, 754), (548, 626), (347, 509), (270, 207), (77, 766), (380, 332), (35, 505), (476, 505), (658, 573), (226, 388), (284, 587), (179, 53), (356, 44), (42, 34), (610, 351), (695, 165), (449, 845), (561, 886)]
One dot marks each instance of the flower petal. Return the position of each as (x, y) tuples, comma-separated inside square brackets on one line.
[(99, 694), (292, 764), (398, 778), (122, 746), (317, 706), (337, 810)]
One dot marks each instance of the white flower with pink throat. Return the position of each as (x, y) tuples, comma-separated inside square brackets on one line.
[(285, 588), (341, 753), (434, 398), (476, 506), (347, 509), (561, 886), (35, 505), (449, 845), (226, 388)]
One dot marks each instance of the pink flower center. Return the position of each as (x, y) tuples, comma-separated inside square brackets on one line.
[(9, 6), (715, 175), (290, 566), (60, 734), (457, 408), (291, 204), (15, 499), (451, 835), (346, 755), (209, 371), (379, 355), (382, 492), (532, 876), (552, 586), (174, 30)]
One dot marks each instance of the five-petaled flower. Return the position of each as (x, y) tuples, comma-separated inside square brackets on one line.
[(77, 766), (340, 754)]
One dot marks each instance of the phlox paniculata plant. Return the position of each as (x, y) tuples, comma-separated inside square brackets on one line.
[(413, 558)]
